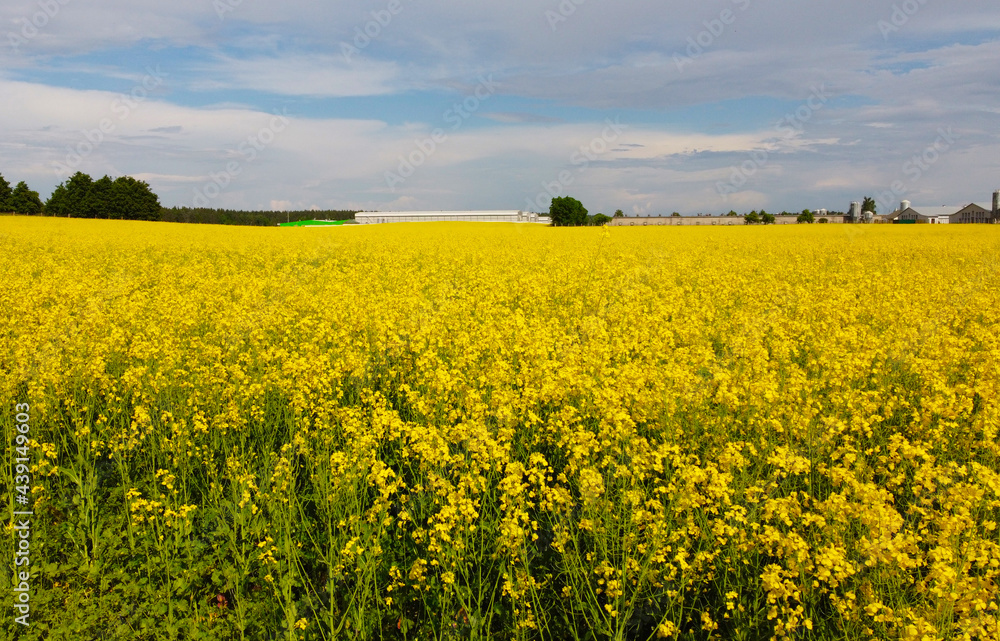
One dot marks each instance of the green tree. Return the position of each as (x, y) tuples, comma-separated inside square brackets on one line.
[(133, 199), (78, 196), (600, 220), (58, 202), (732, 213), (806, 217), (869, 205), (100, 199), (24, 201), (675, 215), (124, 198), (567, 212), (766, 218), (5, 193), (752, 218), (619, 213)]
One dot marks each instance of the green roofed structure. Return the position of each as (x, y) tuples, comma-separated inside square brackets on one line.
[(313, 223)]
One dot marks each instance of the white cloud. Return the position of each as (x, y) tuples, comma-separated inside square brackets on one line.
[(889, 96)]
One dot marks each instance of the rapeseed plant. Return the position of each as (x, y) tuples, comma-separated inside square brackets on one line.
[(443, 431)]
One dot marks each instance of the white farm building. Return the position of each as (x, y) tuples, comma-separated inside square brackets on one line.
[(971, 213), (377, 217)]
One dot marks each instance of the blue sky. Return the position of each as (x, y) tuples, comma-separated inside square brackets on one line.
[(648, 107)]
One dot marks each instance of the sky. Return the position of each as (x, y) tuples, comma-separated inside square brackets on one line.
[(646, 106)]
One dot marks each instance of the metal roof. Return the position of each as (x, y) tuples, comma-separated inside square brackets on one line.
[(421, 214), (932, 212), (938, 211)]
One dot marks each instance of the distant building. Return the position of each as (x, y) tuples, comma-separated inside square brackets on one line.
[(378, 217), (314, 223), (689, 221), (953, 214), (855, 215), (972, 213), (932, 215), (794, 220), (667, 221)]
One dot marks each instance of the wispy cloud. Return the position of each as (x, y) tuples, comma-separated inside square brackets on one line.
[(519, 118), (300, 75)]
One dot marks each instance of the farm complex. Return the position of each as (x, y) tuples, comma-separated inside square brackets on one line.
[(973, 213), (687, 221), (907, 213)]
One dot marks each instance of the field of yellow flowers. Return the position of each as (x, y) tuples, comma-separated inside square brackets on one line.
[(477, 431)]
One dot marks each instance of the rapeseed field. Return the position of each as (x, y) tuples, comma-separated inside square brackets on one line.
[(479, 431)]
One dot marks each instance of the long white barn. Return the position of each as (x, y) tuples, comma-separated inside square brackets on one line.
[(377, 217)]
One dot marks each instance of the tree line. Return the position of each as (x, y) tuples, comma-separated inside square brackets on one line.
[(80, 196), (123, 198), (570, 212), (251, 218), (127, 198)]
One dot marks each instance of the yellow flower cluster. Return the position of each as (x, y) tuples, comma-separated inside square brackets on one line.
[(689, 433)]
